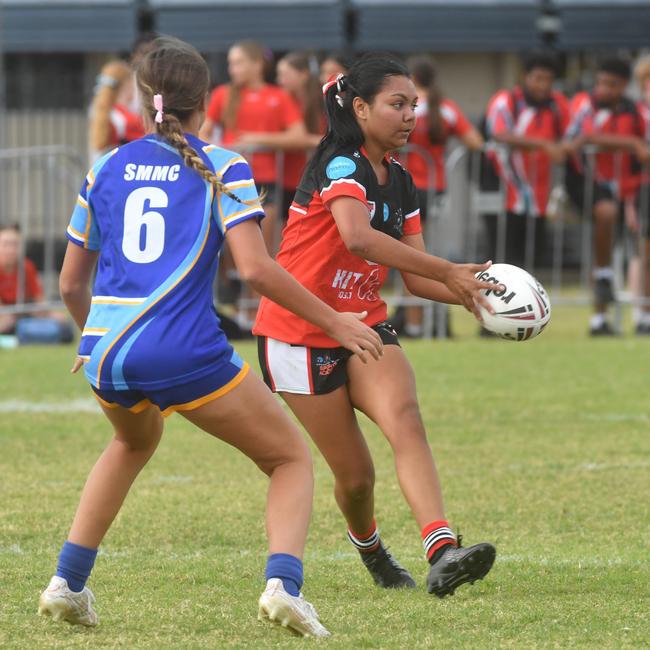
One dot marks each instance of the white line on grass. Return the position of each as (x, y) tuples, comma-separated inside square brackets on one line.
[(580, 467), (618, 417), (32, 406)]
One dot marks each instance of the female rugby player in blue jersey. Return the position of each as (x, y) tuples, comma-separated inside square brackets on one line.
[(356, 214), (153, 215)]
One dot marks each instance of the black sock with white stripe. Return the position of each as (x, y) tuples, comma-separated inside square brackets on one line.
[(436, 536), (368, 542)]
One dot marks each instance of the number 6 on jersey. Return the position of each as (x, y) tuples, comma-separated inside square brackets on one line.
[(135, 218)]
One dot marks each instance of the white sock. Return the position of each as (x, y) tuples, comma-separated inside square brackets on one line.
[(412, 330), (598, 320)]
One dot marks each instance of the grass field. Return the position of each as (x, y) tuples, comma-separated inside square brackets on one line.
[(543, 448)]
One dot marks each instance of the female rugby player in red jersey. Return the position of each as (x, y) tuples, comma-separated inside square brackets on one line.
[(356, 214)]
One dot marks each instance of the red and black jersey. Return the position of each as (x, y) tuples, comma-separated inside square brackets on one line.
[(313, 251), (527, 173), (619, 170)]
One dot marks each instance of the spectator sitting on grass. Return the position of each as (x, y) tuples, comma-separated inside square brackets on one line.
[(10, 267), (45, 326)]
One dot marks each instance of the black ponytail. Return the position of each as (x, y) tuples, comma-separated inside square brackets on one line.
[(365, 79)]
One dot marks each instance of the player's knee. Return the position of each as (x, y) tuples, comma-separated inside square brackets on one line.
[(405, 419), (358, 487), (606, 212), (143, 442), (296, 453)]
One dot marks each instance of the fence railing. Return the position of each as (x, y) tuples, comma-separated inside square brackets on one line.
[(38, 186), (564, 217)]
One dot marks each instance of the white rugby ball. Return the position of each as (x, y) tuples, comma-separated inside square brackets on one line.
[(522, 309)]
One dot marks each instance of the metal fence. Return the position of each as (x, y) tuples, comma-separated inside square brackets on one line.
[(38, 186), (568, 271)]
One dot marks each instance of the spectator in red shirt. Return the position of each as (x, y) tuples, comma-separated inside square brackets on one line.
[(10, 269), (333, 64), (250, 112), (609, 120), (530, 119), (297, 73), (437, 120)]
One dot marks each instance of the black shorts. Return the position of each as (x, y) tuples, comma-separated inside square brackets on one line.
[(575, 187), (298, 369)]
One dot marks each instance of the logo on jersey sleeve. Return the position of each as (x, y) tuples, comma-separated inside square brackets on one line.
[(386, 212), (340, 167)]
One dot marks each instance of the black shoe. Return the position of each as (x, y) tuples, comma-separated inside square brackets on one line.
[(456, 566), (604, 291), (385, 570), (604, 329)]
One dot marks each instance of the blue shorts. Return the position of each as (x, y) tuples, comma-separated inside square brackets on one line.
[(183, 397)]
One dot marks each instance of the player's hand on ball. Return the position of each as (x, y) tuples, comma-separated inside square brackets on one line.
[(462, 282), (356, 336)]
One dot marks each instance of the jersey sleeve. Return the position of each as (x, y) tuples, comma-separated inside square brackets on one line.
[(564, 112), (343, 175), (499, 116), (641, 127), (457, 123), (82, 229), (238, 182), (579, 114), (412, 225)]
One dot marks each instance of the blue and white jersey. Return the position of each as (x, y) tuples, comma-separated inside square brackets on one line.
[(159, 230)]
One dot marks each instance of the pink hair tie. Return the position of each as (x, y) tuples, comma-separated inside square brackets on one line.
[(158, 105)]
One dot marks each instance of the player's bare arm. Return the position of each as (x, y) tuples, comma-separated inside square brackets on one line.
[(267, 277), (361, 239)]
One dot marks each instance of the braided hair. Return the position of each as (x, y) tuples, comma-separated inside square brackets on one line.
[(175, 72)]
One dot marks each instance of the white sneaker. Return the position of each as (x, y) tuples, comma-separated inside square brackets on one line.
[(62, 604), (289, 611)]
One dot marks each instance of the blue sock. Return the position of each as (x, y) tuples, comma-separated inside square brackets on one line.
[(288, 568), (75, 564)]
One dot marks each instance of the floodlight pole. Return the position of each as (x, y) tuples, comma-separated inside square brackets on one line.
[(549, 24), (3, 102)]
